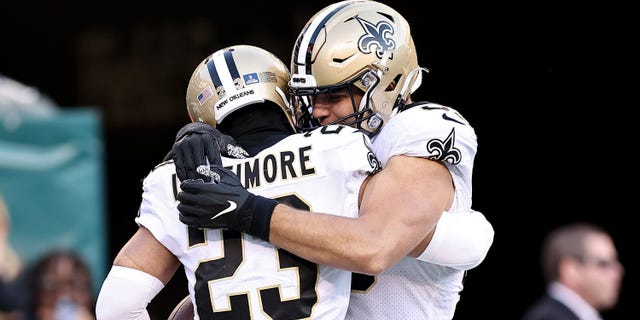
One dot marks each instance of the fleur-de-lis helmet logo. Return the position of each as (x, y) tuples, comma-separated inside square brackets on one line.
[(378, 38)]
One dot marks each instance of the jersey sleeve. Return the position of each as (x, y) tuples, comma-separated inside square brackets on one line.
[(158, 209), (434, 132), (428, 130)]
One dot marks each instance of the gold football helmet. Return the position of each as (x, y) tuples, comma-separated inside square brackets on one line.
[(359, 43), (234, 77)]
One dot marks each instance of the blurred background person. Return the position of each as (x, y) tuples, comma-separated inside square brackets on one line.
[(12, 293), (60, 288), (10, 261), (583, 274), (54, 156)]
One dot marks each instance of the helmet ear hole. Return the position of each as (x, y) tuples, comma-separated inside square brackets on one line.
[(392, 85)]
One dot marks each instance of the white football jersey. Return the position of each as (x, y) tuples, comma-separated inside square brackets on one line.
[(414, 289), (236, 276)]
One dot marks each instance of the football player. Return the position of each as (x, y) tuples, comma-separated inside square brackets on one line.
[(240, 89), (355, 63)]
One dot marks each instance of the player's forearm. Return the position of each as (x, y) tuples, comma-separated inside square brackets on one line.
[(340, 242), (143, 252)]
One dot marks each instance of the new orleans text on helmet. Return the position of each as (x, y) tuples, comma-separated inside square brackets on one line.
[(233, 97)]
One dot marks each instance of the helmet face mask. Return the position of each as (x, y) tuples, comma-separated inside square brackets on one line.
[(361, 43), (235, 77), (303, 98)]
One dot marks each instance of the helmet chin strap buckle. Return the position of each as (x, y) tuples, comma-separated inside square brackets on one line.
[(374, 122), (369, 79)]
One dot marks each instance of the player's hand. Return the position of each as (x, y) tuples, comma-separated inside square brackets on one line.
[(198, 143), (224, 205)]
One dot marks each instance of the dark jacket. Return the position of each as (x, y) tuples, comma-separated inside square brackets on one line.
[(547, 308)]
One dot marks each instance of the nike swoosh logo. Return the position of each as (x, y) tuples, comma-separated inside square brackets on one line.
[(232, 206), (446, 117)]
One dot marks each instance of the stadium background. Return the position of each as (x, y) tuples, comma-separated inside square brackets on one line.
[(546, 85)]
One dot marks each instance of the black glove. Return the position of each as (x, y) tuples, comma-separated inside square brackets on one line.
[(195, 143), (224, 205)]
